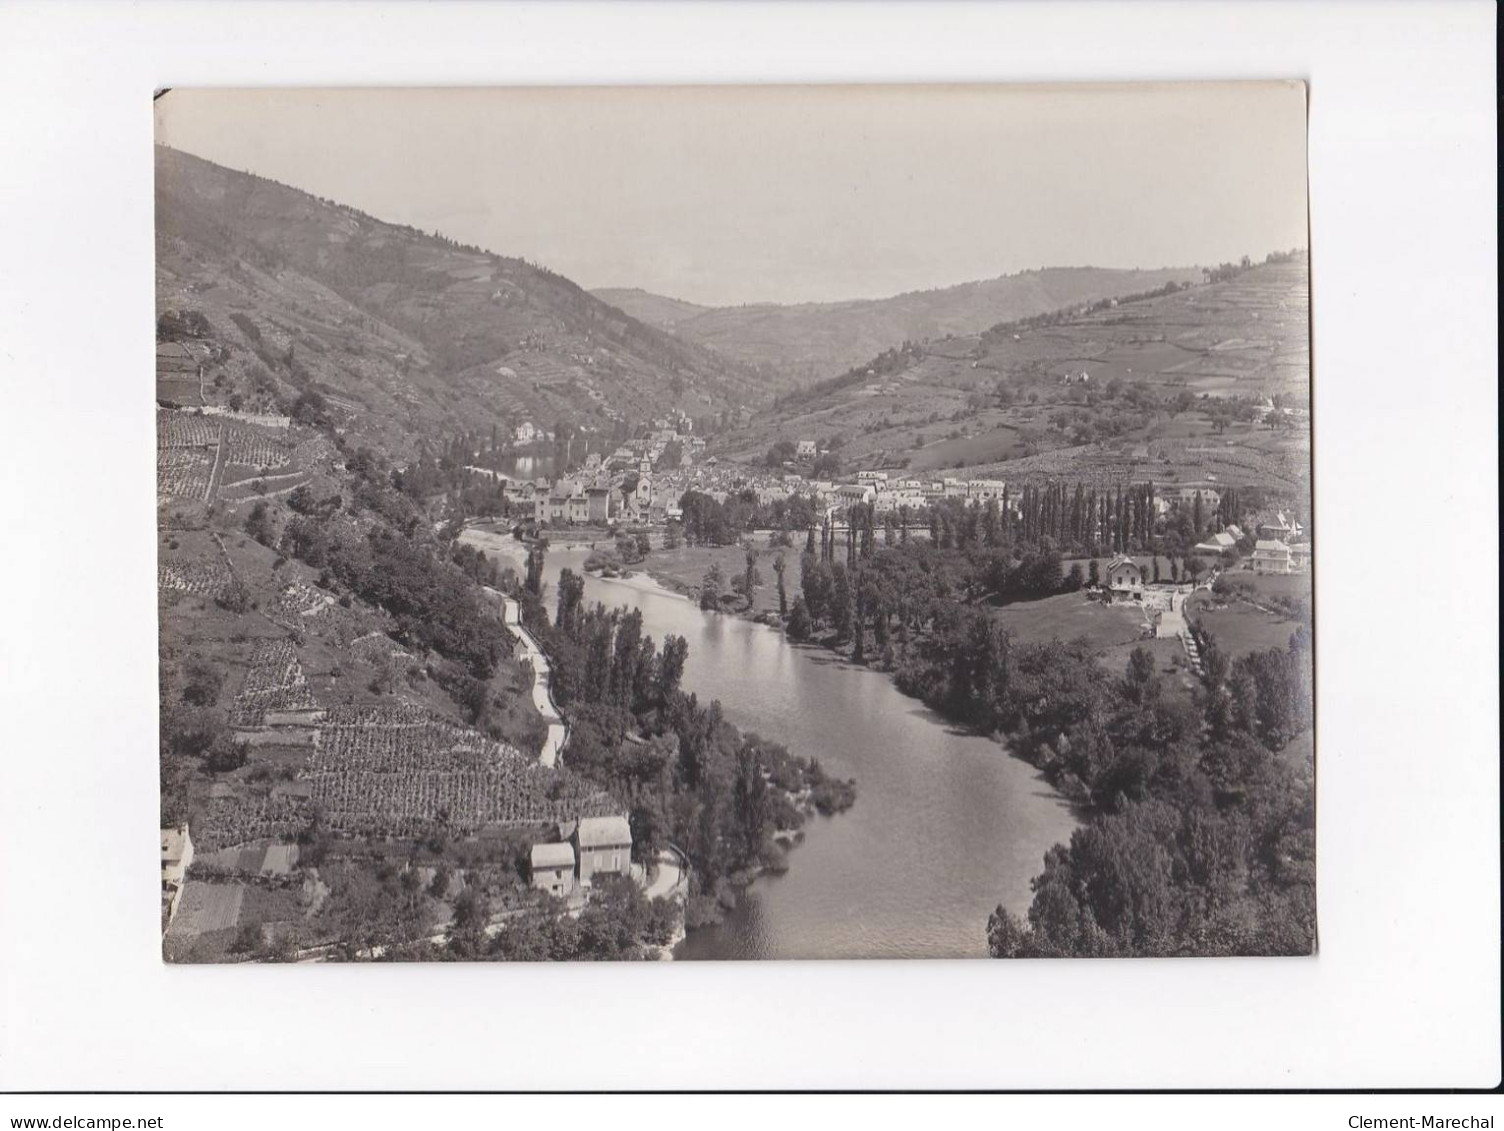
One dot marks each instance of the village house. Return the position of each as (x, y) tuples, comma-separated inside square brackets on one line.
[(525, 433), (598, 504), (805, 449), (553, 868), (849, 493), (985, 490), (552, 507), (1270, 555), (1280, 527), (1300, 556), (1187, 493), (1124, 579), (177, 855), (604, 847)]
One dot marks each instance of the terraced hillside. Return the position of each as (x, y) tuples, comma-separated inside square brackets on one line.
[(406, 334), (798, 343), (1172, 389)]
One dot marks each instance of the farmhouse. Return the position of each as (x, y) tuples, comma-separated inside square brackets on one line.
[(1125, 580), (1270, 555), (604, 846), (553, 868)]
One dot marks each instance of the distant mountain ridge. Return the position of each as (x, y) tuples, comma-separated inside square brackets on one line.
[(807, 341)]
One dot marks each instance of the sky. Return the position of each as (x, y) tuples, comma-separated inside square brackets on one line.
[(729, 195)]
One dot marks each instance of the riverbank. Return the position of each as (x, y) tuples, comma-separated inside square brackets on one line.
[(945, 830), (682, 570)]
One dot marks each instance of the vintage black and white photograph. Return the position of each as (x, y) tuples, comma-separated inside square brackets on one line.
[(779, 522)]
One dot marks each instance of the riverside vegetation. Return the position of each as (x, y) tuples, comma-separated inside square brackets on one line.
[(1199, 833)]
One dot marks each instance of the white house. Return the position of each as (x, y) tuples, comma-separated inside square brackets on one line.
[(1124, 579), (985, 490), (604, 846), (177, 854), (1270, 555), (526, 432), (553, 868), (805, 449)]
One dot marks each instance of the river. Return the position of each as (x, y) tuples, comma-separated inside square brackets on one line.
[(946, 824)]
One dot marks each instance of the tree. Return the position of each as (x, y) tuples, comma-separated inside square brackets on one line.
[(234, 597), (248, 940), (225, 754), (1007, 937), (202, 683), (780, 452), (1141, 685), (671, 666), (779, 565), (571, 594), (840, 601), (1093, 573), (258, 524), (537, 552), (750, 577), (710, 587), (799, 626)]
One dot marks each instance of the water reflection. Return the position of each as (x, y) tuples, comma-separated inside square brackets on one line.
[(946, 825)]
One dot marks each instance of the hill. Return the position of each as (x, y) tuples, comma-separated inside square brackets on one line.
[(405, 334), (1174, 390), (795, 344), (645, 306)]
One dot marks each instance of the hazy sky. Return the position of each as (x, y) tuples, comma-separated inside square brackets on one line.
[(746, 194)]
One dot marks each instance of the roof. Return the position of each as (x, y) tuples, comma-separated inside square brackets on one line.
[(1271, 545), (553, 855), (1122, 560), (595, 832)]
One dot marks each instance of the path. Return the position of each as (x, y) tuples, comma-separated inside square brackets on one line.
[(543, 696), (670, 880)]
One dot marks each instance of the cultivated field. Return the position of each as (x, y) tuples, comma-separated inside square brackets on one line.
[(399, 771), (1012, 405)]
